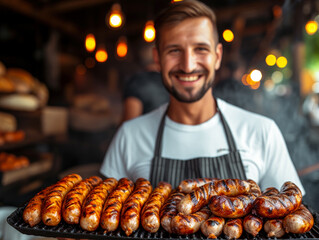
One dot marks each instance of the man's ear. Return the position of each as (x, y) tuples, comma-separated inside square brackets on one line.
[(156, 56), (219, 55)]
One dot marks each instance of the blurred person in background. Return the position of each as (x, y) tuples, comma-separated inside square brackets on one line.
[(144, 90), (196, 135)]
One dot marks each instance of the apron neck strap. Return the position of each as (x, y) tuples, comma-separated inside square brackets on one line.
[(229, 136)]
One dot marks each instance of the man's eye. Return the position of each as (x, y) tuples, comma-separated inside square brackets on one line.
[(202, 49), (173, 50)]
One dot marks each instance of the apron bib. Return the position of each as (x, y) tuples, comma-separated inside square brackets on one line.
[(174, 171)]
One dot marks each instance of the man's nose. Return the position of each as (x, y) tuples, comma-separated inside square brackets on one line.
[(188, 63)]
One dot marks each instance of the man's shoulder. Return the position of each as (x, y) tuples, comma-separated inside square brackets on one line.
[(244, 116)]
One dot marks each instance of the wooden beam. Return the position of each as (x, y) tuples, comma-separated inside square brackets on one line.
[(25, 8), (72, 5)]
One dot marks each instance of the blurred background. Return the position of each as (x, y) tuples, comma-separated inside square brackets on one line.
[(64, 65)]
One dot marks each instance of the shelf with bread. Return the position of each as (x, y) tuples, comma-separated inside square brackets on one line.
[(27, 135)]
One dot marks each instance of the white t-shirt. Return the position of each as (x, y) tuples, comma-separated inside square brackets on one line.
[(261, 145)]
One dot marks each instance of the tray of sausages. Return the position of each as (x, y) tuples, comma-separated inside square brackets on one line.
[(96, 208)]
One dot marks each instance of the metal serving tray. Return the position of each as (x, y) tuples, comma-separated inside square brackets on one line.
[(65, 230)]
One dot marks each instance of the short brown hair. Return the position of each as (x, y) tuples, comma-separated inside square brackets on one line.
[(179, 11)]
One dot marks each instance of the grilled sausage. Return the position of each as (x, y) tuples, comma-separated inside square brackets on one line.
[(233, 228), (169, 209), (150, 218), (213, 226), (72, 203), (93, 204), (189, 185), (252, 224), (235, 207), (274, 228), (130, 216), (52, 204), (300, 221), (184, 224), (110, 217), (201, 196), (32, 212), (279, 205)]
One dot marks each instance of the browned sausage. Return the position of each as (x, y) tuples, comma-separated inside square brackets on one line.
[(235, 207), (150, 218), (72, 203), (184, 224), (169, 209), (252, 224), (130, 216), (93, 204), (279, 205), (201, 196), (52, 204), (110, 217), (213, 227), (189, 185), (274, 228), (300, 221), (233, 228), (32, 212)]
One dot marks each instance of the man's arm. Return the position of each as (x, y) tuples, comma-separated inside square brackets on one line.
[(133, 108)]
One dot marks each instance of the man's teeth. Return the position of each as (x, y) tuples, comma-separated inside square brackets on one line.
[(188, 78)]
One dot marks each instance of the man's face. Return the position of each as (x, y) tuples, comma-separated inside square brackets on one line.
[(188, 56)]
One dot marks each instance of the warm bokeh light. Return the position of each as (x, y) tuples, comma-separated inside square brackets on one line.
[(270, 60), (173, 1), (277, 11), (90, 42), (255, 86), (244, 80), (101, 55), (80, 69), (282, 62), (255, 75), (115, 18), (121, 48), (89, 62), (228, 35), (149, 31), (311, 27)]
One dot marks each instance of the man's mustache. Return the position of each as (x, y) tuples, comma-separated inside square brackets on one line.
[(188, 73)]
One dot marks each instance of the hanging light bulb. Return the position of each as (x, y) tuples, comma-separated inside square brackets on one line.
[(228, 35), (115, 18), (101, 54), (149, 31), (90, 42), (121, 48), (311, 27)]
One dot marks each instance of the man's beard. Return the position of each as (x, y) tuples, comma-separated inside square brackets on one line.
[(189, 98)]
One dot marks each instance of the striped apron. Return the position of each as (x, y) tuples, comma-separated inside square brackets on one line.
[(174, 171)]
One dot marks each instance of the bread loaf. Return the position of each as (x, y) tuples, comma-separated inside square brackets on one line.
[(8, 122)]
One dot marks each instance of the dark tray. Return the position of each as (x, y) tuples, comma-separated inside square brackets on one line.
[(74, 231)]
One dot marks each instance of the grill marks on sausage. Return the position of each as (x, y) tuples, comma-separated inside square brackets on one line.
[(201, 196), (235, 207), (93, 204), (130, 216), (51, 211), (72, 204), (278, 205), (183, 224), (169, 209)]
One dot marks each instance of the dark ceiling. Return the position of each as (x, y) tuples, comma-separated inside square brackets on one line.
[(257, 24)]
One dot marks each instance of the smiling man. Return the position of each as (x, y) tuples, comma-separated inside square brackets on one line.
[(196, 135)]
